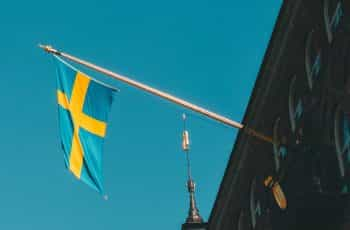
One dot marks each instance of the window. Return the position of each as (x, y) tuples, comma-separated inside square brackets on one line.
[(295, 105), (342, 139), (312, 58), (333, 12), (255, 204), (279, 151), (242, 221), (346, 67), (338, 73)]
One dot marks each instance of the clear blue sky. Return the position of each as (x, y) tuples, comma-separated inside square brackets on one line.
[(208, 52)]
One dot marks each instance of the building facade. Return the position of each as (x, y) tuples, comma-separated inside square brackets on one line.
[(301, 99)]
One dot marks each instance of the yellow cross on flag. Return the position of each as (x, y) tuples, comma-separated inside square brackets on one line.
[(84, 104)]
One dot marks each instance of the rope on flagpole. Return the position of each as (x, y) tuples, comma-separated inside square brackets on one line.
[(161, 94)]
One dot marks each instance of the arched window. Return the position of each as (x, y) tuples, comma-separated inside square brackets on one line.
[(312, 58), (342, 139), (242, 221), (279, 149), (338, 66), (295, 105), (332, 13), (255, 203)]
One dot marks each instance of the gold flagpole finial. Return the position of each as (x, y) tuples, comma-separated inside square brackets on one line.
[(49, 49)]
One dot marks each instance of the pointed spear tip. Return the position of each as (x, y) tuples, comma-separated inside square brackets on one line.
[(44, 47), (48, 49)]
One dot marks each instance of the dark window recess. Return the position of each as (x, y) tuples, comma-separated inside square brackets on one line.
[(342, 141), (333, 13), (312, 58), (279, 151), (295, 104), (338, 74), (243, 224), (347, 68), (255, 203)]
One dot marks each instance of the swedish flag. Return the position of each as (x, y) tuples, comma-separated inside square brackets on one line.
[(83, 105)]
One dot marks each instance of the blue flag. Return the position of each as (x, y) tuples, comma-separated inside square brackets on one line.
[(83, 105)]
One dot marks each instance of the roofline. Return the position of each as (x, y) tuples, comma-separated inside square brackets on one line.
[(236, 157)]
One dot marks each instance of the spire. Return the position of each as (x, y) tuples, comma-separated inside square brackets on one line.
[(193, 212)]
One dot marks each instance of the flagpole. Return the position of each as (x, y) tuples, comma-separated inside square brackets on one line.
[(159, 93)]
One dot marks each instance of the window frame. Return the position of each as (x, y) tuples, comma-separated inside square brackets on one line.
[(292, 105), (311, 65), (241, 223), (275, 145), (329, 21), (252, 204), (337, 140)]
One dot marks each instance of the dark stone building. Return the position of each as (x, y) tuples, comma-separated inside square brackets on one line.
[(301, 98)]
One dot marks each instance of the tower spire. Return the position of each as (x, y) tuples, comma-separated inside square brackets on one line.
[(193, 212)]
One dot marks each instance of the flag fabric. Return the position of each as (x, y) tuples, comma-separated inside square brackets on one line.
[(83, 105)]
